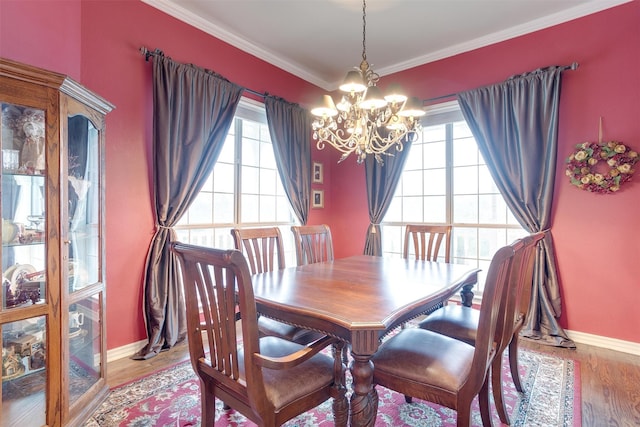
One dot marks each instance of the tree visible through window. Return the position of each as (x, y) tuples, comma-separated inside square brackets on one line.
[(446, 181)]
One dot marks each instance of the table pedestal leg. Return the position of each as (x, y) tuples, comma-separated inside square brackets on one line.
[(364, 400)]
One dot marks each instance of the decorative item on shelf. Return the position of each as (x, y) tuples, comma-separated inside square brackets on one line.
[(26, 126), (586, 170), (22, 284), (10, 231), (12, 365), (365, 122)]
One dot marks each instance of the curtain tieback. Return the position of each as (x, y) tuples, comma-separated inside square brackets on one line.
[(162, 227), (373, 230)]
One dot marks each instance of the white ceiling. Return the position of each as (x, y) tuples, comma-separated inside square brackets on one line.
[(320, 40)]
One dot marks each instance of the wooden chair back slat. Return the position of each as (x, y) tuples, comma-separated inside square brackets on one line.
[(263, 247), (313, 244), (426, 241)]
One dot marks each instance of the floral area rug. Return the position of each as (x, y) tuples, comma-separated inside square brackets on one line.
[(171, 397)]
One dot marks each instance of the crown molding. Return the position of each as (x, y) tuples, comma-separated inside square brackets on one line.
[(173, 9), (510, 33)]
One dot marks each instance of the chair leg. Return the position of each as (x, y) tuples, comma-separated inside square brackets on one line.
[(208, 402), (408, 399), (483, 402), (498, 392), (464, 414), (513, 363)]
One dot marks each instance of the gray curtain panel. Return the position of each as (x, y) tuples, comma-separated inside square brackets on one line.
[(193, 110), (381, 181), (515, 124), (289, 127)]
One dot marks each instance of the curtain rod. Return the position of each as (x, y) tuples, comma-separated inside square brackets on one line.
[(573, 66), (157, 52)]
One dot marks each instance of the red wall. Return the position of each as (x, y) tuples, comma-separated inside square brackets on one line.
[(595, 236), (96, 42)]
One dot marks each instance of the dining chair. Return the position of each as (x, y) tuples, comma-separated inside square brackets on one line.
[(426, 241), (269, 380), (434, 367), (313, 243), (264, 250), (462, 322)]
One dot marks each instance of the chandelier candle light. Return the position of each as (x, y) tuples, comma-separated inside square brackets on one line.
[(365, 122)]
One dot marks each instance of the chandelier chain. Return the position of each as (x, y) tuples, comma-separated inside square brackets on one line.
[(364, 30)]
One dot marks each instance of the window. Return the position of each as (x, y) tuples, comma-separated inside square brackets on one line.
[(244, 189), (446, 181)]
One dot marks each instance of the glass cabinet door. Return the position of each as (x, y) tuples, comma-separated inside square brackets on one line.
[(23, 262), (84, 255)]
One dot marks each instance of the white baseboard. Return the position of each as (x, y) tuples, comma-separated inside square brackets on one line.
[(125, 350), (605, 342)]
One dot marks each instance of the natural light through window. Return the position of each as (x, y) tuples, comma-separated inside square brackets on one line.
[(446, 181), (244, 189)]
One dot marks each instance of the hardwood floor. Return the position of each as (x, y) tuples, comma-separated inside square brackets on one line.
[(610, 380)]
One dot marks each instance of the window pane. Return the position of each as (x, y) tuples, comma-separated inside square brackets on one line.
[(394, 213), (226, 155), (267, 158), (465, 244), (250, 129), (392, 243), (250, 180), (492, 209), (268, 180), (435, 182), (465, 209), (435, 209), (490, 240), (223, 178), (434, 133), (223, 208), (267, 208), (465, 180), (435, 155), (414, 160), (250, 152), (465, 152), (250, 208), (201, 209), (485, 182), (412, 209), (412, 183)]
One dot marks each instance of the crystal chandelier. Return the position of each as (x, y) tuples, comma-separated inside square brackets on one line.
[(365, 121)]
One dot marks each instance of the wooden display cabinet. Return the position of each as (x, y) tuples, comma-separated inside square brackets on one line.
[(52, 311)]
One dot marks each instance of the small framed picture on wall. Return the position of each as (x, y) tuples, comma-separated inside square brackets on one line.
[(318, 173), (317, 199)]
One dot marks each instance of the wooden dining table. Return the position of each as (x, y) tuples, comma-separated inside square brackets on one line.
[(359, 299)]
